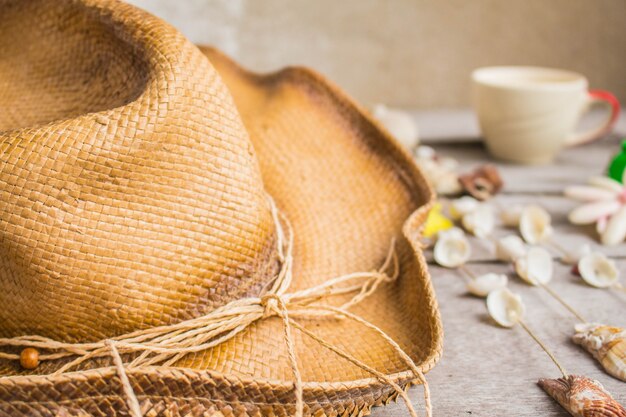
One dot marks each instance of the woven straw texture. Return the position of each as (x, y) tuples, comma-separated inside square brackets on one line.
[(134, 175)]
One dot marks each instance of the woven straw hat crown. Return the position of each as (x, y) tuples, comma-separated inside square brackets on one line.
[(131, 196)]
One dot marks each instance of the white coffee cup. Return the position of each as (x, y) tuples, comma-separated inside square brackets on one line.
[(528, 114)]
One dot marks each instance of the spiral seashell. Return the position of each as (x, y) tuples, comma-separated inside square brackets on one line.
[(582, 397), (607, 344)]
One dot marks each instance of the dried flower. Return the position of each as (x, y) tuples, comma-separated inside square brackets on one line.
[(604, 204)]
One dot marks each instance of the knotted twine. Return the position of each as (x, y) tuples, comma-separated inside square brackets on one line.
[(166, 345)]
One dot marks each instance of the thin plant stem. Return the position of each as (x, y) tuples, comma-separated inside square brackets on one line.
[(467, 273), (544, 347), (619, 287), (552, 243), (563, 302)]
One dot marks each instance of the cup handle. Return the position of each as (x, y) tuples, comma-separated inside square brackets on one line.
[(594, 97)]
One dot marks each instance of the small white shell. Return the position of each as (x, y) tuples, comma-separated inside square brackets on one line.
[(509, 248), (535, 267), (425, 152), (462, 206), (510, 216), (447, 184), (480, 222), (572, 257), (598, 271), (399, 123), (535, 225), (452, 248), (505, 307), (447, 163), (615, 230), (481, 286)]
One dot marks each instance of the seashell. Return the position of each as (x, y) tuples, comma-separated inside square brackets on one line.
[(447, 184), (582, 397), (483, 183), (572, 257), (509, 248), (607, 344), (505, 307), (615, 230), (425, 152), (589, 193), (535, 267), (606, 183), (479, 222), (400, 124), (535, 225), (510, 216), (591, 212), (597, 270), (462, 206), (452, 248), (481, 286), (447, 163)]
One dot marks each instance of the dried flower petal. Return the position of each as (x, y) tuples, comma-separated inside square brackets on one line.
[(592, 212), (589, 193), (615, 231), (606, 183)]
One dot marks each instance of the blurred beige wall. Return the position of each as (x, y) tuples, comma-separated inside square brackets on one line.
[(413, 53)]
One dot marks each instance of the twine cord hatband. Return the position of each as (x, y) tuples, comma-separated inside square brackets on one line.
[(166, 345)]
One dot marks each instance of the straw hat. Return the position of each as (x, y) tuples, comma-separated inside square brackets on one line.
[(181, 237)]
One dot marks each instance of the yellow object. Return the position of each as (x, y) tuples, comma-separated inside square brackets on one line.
[(436, 222)]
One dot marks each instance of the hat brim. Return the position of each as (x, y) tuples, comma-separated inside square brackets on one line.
[(347, 188)]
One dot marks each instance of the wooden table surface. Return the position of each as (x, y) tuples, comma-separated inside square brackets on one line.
[(491, 371)]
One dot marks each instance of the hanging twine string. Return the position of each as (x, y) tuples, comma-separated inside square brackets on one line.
[(166, 345)]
